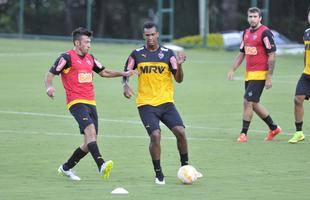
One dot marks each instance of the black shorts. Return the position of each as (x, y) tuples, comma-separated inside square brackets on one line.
[(85, 115), (166, 113), (303, 86), (253, 90)]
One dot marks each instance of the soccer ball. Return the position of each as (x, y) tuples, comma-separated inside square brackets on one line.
[(187, 174)]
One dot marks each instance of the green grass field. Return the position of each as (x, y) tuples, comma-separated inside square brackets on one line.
[(38, 134)]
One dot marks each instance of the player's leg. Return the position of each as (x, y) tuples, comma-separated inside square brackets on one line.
[(262, 112), (302, 93), (172, 119), (150, 121), (247, 111), (90, 140), (299, 114), (79, 112)]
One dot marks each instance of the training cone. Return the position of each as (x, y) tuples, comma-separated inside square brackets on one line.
[(119, 190)]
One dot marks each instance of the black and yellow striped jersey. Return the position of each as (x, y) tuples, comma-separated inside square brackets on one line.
[(307, 51), (155, 75)]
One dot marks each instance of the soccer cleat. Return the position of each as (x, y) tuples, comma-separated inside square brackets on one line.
[(105, 169), (160, 180), (68, 173), (272, 133), (242, 138), (298, 136), (198, 174)]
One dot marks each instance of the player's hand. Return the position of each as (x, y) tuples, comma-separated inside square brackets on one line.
[(268, 82), (230, 75), (50, 91), (129, 73), (181, 57), (128, 92)]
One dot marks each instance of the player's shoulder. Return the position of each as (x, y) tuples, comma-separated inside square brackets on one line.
[(165, 49), (307, 35), (139, 49)]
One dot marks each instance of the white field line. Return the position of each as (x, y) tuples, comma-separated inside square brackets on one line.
[(127, 122)]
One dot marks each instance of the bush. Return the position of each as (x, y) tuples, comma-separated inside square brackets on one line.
[(214, 40)]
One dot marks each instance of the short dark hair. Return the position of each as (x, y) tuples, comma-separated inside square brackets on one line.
[(308, 9), (149, 25), (77, 33), (255, 10)]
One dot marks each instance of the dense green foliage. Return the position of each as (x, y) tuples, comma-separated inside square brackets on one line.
[(213, 40)]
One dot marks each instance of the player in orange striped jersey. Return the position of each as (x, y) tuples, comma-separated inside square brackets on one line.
[(76, 68), (258, 48)]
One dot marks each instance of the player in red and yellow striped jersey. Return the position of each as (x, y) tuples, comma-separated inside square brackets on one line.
[(302, 89), (258, 48), (76, 68), (157, 66)]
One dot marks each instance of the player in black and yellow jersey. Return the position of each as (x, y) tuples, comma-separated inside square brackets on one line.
[(302, 89), (157, 66)]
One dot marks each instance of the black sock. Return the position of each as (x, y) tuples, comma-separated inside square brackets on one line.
[(298, 126), (157, 169), (245, 126), (184, 159), (94, 150), (77, 155), (270, 123)]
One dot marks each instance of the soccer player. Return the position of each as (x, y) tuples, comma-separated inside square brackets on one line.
[(156, 66), (302, 89), (258, 48), (76, 68)]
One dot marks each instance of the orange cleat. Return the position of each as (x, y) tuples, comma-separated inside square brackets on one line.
[(272, 133), (242, 138)]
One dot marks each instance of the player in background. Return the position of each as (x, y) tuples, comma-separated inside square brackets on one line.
[(258, 48), (302, 89), (76, 68), (157, 66)]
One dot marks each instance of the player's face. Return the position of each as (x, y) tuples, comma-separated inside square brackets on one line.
[(254, 19), (83, 45), (309, 17), (150, 36)]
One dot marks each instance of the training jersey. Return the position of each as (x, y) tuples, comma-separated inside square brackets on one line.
[(256, 45), (155, 70), (77, 76), (307, 51)]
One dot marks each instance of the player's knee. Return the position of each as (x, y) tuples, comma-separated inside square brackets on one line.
[(247, 103), (298, 100), (179, 131), (155, 136)]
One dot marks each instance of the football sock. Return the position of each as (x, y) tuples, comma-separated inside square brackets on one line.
[(94, 150), (77, 155), (245, 126), (157, 168), (298, 126), (184, 159), (270, 123)]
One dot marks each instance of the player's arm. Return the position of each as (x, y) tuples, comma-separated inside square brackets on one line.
[(111, 73), (237, 62), (270, 47), (178, 76), (104, 72), (175, 65), (130, 65), (48, 80), (61, 63)]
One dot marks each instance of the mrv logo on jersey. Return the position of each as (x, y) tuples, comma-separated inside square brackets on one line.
[(152, 69)]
